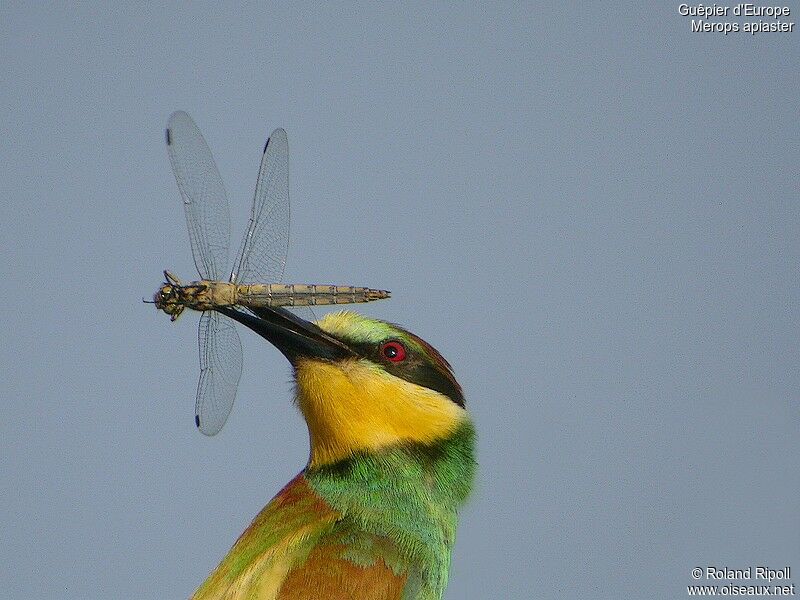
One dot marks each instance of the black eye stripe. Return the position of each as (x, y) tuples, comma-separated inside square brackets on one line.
[(431, 378), (414, 369)]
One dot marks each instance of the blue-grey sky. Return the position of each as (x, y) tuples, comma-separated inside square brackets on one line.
[(590, 210)]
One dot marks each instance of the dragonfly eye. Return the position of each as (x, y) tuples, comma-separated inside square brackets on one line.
[(393, 351)]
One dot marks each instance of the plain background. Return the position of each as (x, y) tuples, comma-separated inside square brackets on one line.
[(590, 210)]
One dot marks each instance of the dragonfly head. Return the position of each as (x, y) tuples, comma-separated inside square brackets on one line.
[(169, 298)]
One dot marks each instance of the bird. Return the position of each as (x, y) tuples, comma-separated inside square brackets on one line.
[(373, 515)]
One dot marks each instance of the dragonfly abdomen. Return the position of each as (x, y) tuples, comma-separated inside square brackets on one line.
[(301, 294)]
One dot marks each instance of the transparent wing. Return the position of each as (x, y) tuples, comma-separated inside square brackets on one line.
[(305, 312), (220, 369), (204, 200), (262, 256)]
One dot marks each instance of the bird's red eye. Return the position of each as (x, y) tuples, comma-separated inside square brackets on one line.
[(393, 351)]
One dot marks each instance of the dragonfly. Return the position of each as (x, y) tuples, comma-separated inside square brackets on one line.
[(254, 282)]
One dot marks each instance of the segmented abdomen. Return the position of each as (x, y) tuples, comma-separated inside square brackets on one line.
[(300, 294)]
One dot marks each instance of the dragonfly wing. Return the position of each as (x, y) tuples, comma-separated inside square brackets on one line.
[(220, 369), (204, 200), (304, 312), (262, 256)]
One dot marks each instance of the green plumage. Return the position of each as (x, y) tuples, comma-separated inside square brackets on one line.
[(408, 495)]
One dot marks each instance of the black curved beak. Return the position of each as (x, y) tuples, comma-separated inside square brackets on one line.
[(296, 338)]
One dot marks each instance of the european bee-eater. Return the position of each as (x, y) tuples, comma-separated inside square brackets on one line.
[(373, 515)]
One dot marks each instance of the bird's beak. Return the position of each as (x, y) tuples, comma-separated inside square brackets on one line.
[(296, 338)]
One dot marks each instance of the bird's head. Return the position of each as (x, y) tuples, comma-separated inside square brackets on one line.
[(363, 384)]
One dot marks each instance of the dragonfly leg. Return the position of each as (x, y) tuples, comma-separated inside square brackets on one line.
[(171, 278)]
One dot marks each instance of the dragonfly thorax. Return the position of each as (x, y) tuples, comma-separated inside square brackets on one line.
[(173, 296)]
